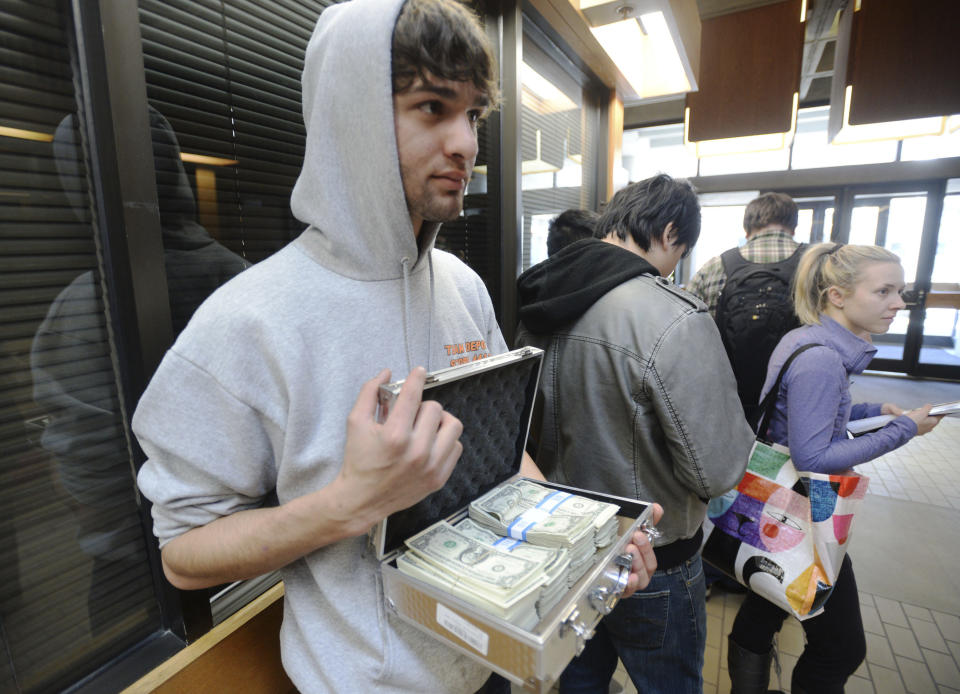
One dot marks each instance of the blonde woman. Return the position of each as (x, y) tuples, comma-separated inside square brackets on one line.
[(843, 295)]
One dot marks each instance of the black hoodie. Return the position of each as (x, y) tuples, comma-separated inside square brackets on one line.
[(562, 288)]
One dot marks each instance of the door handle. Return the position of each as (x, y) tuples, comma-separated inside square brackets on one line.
[(914, 297)]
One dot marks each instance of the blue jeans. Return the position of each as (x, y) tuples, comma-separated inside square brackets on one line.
[(659, 633)]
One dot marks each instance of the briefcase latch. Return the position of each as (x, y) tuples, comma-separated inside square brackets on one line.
[(604, 597), (580, 629)]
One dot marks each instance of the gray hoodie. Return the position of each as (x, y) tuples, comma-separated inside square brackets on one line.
[(253, 397)]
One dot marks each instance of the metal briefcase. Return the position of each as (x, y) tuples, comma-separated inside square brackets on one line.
[(494, 399)]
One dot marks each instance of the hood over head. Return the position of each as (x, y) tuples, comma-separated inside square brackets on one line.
[(559, 290), (349, 190)]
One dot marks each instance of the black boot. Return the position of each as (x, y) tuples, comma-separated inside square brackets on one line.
[(749, 671)]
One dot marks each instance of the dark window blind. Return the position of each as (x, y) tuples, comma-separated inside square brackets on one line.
[(475, 236), (226, 77), (75, 584)]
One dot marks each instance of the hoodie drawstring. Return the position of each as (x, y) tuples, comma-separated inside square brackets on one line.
[(405, 264), (430, 314)]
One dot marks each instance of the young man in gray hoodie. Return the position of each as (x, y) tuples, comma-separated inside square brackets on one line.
[(259, 395)]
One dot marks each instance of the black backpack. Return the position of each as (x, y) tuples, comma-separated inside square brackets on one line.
[(754, 310)]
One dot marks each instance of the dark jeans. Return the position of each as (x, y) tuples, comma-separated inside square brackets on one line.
[(497, 684), (659, 633), (835, 642)]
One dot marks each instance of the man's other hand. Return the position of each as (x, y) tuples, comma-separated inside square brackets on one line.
[(644, 560)]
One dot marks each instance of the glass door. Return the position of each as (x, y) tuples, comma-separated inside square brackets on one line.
[(906, 219), (815, 217), (939, 353)]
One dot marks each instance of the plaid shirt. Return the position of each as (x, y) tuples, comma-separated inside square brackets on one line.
[(770, 246)]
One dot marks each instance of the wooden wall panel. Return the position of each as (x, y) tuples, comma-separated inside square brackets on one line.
[(904, 60), (749, 71), (614, 141)]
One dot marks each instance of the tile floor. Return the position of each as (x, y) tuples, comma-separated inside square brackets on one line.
[(907, 559), (913, 643)]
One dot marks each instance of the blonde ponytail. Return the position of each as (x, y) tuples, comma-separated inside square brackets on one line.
[(828, 265)]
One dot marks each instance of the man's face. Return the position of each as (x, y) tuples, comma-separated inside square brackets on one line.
[(436, 125)]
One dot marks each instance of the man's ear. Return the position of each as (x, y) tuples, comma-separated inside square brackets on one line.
[(668, 236)]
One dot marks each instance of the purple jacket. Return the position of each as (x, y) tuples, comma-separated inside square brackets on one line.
[(813, 406)]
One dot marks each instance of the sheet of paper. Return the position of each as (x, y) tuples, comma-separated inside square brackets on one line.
[(862, 426), (950, 409)]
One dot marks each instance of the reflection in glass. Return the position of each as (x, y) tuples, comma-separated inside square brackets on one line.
[(76, 588), (649, 151), (539, 230), (558, 126)]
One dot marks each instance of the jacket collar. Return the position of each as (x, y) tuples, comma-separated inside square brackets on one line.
[(855, 352)]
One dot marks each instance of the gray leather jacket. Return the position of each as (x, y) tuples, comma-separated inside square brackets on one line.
[(639, 400)]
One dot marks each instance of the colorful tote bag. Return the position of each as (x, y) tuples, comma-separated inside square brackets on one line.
[(783, 533)]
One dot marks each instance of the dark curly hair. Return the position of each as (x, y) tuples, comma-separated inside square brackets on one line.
[(443, 39)]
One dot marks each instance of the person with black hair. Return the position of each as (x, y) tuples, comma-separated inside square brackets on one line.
[(638, 400), (570, 226)]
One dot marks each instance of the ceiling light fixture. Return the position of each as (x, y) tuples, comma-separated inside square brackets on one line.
[(654, 43)]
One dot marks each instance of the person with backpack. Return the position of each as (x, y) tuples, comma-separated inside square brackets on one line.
[(747, 291)]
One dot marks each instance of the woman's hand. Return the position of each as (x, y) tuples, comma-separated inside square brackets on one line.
[(890, 408), (921, 415)]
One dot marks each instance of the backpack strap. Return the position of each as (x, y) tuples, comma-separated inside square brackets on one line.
[(768, 404), (794, 259), (732, 261)]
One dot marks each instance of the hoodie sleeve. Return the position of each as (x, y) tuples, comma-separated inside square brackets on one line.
[(695, 395), (208, 455)]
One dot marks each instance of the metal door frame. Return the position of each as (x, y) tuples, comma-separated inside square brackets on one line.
[(935, 190)]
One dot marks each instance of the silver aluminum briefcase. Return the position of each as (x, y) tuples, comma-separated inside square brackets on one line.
[(494, 399)]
